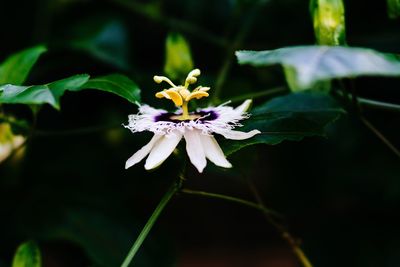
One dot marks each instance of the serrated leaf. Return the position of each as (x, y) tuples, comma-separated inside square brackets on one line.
[(41, 94), (291, 117), (178, 58), (27, 255), (311, 64), (15, 69), (117, 84)]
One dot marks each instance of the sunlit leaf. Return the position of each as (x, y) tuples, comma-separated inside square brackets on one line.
[(15, 69), (311, 64), (291, 117), (8, 140), (178, 58), (329, 22), (116, 84), (27, 255), (41, 94)]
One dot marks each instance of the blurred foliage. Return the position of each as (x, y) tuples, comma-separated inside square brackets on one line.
[(178, 58), (27, 255), (71, 194), (393, 8), (329, 21)]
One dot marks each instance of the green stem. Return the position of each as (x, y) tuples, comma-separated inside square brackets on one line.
[(264, 93), (150, 11), (378, 104), (231, 199), (146, 229)]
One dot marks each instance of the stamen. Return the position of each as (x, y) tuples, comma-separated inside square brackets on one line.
[(160, 79)]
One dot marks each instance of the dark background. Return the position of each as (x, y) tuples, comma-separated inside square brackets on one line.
[(68, 189)]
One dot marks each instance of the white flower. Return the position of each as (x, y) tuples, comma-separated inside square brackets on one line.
[(197, 128)]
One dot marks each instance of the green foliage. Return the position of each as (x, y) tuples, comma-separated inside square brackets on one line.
[(39, 94), (15, 69), (51, 93), (329, 22), (27, 255), (308, 65), (117, 84), (178, 59), (291, 117), (393, 7)]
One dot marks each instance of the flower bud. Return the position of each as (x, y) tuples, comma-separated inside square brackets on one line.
[(329, 21)]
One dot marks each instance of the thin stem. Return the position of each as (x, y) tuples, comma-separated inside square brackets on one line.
[(378, 104), (152, 13), (234, 45), (149, 225), (229, 198), (380, 135), (292, 242), (261, 94)]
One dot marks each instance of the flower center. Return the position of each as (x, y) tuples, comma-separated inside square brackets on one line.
[(181, 95)]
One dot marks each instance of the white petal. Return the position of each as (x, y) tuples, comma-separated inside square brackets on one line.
[(195, 150), (213, 151), (244, 106), (162, 149), (142, 153), (238, 135)]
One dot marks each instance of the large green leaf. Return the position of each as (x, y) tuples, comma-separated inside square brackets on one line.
[(15, 69), (308, 65), (27, 255), (116, 84), (40, 94), (291, 117)]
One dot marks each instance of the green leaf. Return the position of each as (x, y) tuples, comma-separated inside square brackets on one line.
[(27, 255), (116, 84), (291, 117), (329, 22), (15, 69), (178, 59), (309, 65), (393, 7), (40, 94)]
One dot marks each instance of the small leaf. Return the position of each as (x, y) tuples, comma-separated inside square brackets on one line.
[(117, 84), (291, 117), (27, 255), (309, 65), (15, 69), (178, 59), (40, 94)]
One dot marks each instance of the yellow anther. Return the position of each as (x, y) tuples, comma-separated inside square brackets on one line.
[(181, 95), (194, 73), (160, 79), (175, 97), (162, 94), (184, 92), (197, 95)]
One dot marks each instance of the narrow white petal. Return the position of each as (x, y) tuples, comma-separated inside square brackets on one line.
[(238, 135), (142, 153), (195, 149), (244, 106), (162, 149), (214, 152)]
